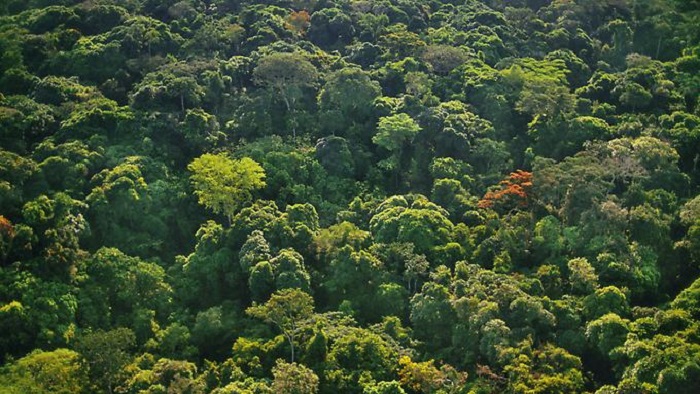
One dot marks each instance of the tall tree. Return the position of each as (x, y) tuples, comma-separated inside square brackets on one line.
[(285, 309), (286, 75), (224, 185), (104, 354)]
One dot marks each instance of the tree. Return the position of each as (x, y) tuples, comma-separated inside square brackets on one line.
[(43, 372), (394, 131), (354, 279), (121, 208), (164, 375), (261, 281), (607, 332), (400, 42), (390, 387), (513, 192), (457, 129), (330, 26), (293, 378), (285, 309), (606, 300), (289, 271), (173, 341), (61, 223), (528, 313), (689, 299), (15, 172), (333, 153), (664, 363), (329, 241), (560, 138), (39, 314), (543, 88), (545, 369), (425, 377), (201, 130), (286, 75), (117, 290), (411, 218), (351, 91), (64, 165), (174, 86), (254, 250), (358, 357), (224, 185), (433, 316), (443, 58), (298, 22), (104, 353), (582, 276), (690, 217), (7, 234), (347, 102)]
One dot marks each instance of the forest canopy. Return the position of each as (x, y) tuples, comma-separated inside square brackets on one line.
[(350, 196)]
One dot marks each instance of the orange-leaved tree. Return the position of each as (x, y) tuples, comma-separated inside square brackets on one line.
[(298, 22), (513, 192)]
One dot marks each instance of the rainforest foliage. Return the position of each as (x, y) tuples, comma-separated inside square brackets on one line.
[(350, 196)]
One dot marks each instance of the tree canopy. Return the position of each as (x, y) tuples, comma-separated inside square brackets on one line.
[(350, 196), (225, 185)]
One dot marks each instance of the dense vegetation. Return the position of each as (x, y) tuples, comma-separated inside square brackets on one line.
[(347, 196)]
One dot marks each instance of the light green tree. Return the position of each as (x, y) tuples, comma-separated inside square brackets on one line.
[(394, 131), (293, 378), (42, 372), (223, 184), (395, 134), (285, 309)]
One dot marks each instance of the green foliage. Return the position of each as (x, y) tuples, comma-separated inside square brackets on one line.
[(432, 315), (606, 300), (394, 131), (41, 372), (544, 369), (689, 299), (285, 309), (411, 219), (607, 332), (293, 379), (690, 216), (209, 275), (103, 354), (225, 185), (286, 75), (348, 92), (358, 357), (118, 289), (121, 208), (582, 276), (355, 280), (542, 85), (359, 152)]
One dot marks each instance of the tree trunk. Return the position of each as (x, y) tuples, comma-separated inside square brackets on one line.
[(289, 113), (291, 345)]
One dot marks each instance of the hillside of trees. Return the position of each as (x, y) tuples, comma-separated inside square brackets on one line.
[(350, 196)]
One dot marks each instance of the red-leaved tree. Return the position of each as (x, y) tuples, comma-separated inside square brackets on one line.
[(514, 192)]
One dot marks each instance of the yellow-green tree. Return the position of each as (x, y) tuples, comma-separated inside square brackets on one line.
[(42, 372), (223, 184), (285, 309)]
